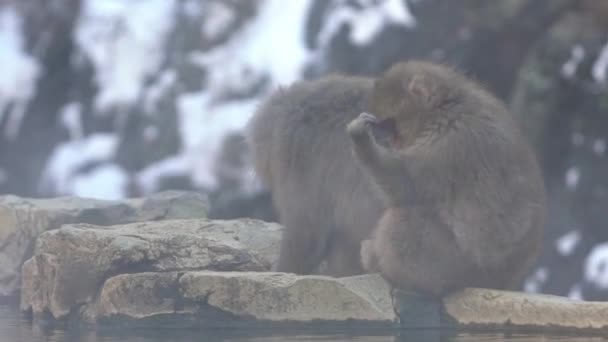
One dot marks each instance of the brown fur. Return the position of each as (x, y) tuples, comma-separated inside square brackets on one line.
[(463, 191), (302, 153), (457, 197)]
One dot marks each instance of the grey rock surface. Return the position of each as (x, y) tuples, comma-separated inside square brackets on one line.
[(487, 309), (231, 299), (23, 219), (138, 296), (71, 263), (213, 273), (483, 308), (282, 297)]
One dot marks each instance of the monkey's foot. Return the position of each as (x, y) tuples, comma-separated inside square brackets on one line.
[(361, 124)]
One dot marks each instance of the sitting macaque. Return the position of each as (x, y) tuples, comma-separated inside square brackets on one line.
[(302, 153), (432, 165)]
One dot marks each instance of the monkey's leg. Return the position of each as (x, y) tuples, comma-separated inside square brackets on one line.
[(416, 252), (303, 245)]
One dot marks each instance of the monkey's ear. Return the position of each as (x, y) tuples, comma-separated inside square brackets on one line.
[(418, 86)]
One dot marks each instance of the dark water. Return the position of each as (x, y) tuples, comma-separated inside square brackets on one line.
[(16, 328)]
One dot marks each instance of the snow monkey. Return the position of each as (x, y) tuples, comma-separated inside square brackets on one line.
[(421, 172)]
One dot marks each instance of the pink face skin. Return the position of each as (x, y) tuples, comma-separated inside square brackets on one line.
[(388, 125)]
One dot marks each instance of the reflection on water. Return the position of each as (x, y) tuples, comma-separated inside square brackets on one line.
[(16, 328)]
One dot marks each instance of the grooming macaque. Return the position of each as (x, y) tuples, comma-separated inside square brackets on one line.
[(437, 179), (463, 192)]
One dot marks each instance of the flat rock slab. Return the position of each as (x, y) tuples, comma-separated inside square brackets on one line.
[(70, 264), (22, 220), (233, 299), (493, 309), (486, 309)]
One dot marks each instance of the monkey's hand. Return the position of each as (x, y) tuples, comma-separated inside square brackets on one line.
[(361, 125)]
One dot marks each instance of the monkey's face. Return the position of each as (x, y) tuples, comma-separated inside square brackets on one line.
[(400, 114), (386, 134), (412, 100)]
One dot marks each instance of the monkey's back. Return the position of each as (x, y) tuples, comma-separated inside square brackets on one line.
[(303, 155)]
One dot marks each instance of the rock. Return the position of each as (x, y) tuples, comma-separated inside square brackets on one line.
[(23, 219), (71, 263), (482, 308), (229, 299), (138, 296), (167, 205), (486, 309), (280, 297), (214, 274)]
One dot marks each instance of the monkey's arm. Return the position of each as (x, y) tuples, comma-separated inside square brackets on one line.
[(387, 170), (364, 144)]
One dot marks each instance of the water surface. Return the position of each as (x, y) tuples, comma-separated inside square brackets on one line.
[(15, 327)]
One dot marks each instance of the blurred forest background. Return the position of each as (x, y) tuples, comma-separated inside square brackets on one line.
[(119, 98)]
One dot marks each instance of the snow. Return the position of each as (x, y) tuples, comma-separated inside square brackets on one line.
[(149, 178), (567, 243), (572, 177), (219, 119), (576, 293), (107, 182), (534, 282), (260, 49), (571, 66), (577, 139), (365, 22), (397, 12), (257, 52), (201, 141), (69, 156), (20, 72), (124, 40), (71, 118), (601, 64), (217, 20), (252, 184), (599, 147), (155, 92), (596, 266)]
